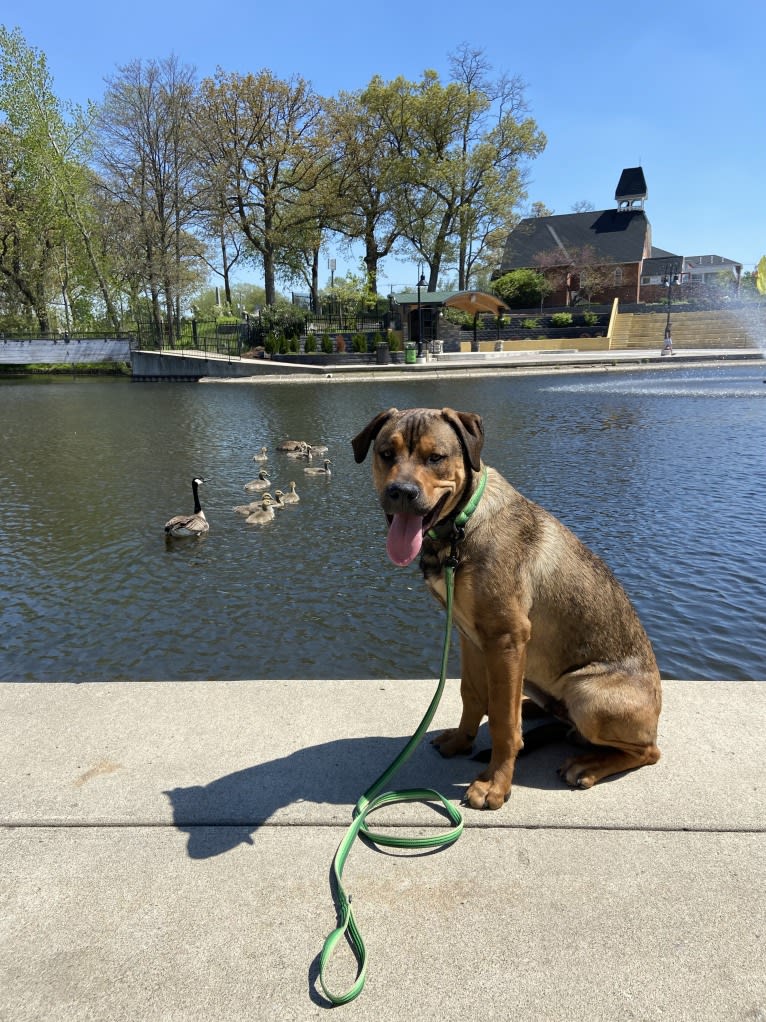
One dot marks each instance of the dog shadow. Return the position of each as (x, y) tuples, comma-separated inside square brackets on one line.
[(226, 812)]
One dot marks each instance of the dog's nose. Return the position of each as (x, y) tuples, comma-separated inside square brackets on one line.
[(402, 493)]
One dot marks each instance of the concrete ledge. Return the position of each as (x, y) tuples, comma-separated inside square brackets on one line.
[(58, 352), (166, 850)]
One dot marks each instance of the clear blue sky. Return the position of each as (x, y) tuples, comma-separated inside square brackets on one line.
[(676, 87)]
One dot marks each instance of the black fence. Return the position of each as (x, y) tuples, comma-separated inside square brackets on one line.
[(235, 338)]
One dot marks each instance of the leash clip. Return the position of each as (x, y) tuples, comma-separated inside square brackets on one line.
[(457, 536)]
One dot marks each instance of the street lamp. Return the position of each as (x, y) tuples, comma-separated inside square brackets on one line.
[(421, 283), (669, 279)]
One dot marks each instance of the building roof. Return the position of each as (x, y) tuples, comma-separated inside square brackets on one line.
[(632, 185), (477, 301), (661, 263), (616, 236), (426, 297), (467, 301), (700, 262)]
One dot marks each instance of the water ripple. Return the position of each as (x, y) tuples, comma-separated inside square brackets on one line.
[(661, 473)]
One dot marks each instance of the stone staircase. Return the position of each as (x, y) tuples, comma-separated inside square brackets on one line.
[(741, 328)]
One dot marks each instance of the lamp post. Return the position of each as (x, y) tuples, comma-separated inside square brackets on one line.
[(668, 280), (421, 283)]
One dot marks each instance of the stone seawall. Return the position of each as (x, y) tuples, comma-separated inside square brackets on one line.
[(58, 352)]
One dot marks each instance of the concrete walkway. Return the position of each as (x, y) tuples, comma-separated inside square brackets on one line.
[(166, 848)]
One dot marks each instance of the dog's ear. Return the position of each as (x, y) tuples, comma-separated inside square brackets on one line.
[(470, 430), (361, 442)]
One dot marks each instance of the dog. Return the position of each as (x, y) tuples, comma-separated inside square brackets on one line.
[(539, 615)]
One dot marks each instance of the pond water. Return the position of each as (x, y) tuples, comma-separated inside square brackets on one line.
[(661, 472)]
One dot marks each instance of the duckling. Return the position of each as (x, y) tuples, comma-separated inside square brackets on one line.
[(300, 452), (320, 471), (189, 525), (319, 448), (247, 509), (265, 514), (291, 445), (291, 497), (262, 455), (261, 483), (279, 500)]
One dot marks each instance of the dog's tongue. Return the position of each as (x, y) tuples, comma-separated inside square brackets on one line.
[(405, 537)]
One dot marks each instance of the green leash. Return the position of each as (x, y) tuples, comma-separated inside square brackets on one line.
[(372, 799)]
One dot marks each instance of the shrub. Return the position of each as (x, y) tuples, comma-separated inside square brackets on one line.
[(394, 343), (271, 344), (590, 318), (522, 289), (377, 339), (561, 319), (327, 344), (459, 318), (294, 345), (530, 324), (310, 345), (359, 343)]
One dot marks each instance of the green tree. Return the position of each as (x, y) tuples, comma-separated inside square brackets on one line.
[(260, 135), (522, 289), (366, 177), (48, 225), (459, 150)]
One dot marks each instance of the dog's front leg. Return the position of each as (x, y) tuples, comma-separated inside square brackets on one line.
[(504, 659), (459, 740)]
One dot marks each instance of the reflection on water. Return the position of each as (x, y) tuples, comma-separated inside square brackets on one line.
[(662, 473)]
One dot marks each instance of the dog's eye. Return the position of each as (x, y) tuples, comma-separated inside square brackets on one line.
[(386, 454), (434, 459)]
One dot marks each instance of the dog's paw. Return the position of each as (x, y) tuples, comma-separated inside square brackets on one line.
[(486, 794), (579, 772), (453, 742)]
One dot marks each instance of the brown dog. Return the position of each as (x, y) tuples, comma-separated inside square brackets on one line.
[(536, 610)]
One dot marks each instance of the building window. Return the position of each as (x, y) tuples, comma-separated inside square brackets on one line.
[(646, 280), (618, 277)]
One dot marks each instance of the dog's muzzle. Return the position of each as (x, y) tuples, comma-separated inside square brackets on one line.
[(402, 498)]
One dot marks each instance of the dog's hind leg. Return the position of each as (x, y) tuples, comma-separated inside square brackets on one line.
[(618, 713)]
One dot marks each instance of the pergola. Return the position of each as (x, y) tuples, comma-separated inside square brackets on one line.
[(476, 303)]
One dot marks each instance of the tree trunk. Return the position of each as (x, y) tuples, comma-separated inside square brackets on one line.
[(315, 281)]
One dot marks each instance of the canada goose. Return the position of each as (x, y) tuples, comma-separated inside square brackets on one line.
[(261, 483), (189, 525), (262, 455), (320, 471), (291, 497), (265, 514)]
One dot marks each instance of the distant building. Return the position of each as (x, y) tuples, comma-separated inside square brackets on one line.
[(698, 270), (605, 254)]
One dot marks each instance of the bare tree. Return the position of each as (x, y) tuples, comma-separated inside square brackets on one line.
[(147, 165)]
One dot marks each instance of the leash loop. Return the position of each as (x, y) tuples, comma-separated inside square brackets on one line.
[(373, 799)]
